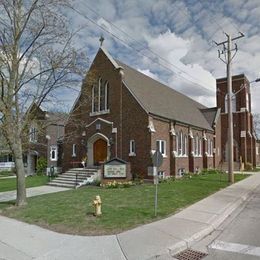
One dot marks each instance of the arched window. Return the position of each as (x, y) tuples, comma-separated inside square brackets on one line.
[(180, 138), (197, 145), (200, 147), (95, 102), (184, 145), (106, 96), (100, 96)]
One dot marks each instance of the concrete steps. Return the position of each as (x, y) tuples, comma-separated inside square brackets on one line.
[(75, 177)]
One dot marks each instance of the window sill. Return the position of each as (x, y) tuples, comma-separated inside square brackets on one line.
[(132, 154), (73, 155), (103, 112), (182, 156)]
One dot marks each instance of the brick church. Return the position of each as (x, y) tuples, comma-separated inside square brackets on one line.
[(122, 113)]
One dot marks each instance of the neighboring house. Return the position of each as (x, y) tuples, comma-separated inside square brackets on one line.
[(126, 114), (6, 158), (244, 137), (45, 132)]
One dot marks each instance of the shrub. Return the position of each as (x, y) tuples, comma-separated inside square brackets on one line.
[(116, 184), (96, 182), (41, 166)]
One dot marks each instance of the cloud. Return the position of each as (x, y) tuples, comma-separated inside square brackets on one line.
[(148, 73), (182, 33)]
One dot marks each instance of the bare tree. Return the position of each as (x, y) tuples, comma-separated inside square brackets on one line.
[(37, 58)]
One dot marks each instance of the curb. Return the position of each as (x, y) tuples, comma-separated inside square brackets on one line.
[(187, 243)]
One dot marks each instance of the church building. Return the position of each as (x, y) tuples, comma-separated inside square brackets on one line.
[(122, 113)]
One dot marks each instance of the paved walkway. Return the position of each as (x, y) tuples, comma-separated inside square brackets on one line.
[(158, 240), (35, 191)]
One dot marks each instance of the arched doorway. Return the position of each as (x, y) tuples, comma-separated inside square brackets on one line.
[(99, 151)]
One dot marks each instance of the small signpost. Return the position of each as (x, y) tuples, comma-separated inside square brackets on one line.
[(157, 159)]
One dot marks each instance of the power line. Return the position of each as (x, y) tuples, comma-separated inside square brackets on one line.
[(143, 45), (142, 54)]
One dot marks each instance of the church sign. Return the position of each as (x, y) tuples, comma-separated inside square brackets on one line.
[(115, 168)]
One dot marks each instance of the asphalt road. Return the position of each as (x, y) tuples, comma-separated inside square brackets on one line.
[(238, 237)]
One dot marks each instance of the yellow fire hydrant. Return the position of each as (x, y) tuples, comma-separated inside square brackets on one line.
[(97, 205)]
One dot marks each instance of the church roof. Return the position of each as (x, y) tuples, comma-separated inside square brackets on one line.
[(161, 100)]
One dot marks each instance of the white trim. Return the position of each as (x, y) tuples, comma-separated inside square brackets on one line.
[(132, 148), (92, 98), (90, 142), (74, 150), (97, 113), (190, 134), (110, 58), (162, 151), (151, 126), (99, 91), (101, 119), (172, 130), (54, 149), (106, 96)]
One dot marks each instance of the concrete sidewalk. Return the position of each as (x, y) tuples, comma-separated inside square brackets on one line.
[(30, 192), (160, 239)]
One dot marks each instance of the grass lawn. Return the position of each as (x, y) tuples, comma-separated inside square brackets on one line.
[(124, 208), (10, 184)]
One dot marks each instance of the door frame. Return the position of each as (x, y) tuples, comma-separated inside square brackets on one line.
[(90, 147)]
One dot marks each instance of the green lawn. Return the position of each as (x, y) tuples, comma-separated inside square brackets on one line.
[(10, 184), (72, 211)]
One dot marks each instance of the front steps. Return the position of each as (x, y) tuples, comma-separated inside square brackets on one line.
[(75, 178)]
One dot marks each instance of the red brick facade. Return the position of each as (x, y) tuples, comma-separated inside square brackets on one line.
[(244, 139), (125, 120)]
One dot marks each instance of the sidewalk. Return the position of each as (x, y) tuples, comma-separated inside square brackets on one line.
[(162, 238), (35, 191)]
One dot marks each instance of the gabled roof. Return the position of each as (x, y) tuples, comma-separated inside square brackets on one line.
[(161, 100)]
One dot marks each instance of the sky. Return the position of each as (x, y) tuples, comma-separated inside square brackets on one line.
[(173, 41)]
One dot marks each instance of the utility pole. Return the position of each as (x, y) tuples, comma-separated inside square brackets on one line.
[(226, 51)]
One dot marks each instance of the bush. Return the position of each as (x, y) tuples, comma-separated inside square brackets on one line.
[(96, 182), (116, 184), (41, 166)]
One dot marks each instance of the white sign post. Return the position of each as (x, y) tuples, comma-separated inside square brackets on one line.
[(157, 162)]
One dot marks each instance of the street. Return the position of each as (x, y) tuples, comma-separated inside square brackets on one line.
[(238, 237)]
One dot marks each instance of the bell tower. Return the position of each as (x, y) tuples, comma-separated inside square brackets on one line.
[(244, 140)]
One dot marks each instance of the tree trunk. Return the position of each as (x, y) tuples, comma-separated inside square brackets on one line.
[(20, 173)]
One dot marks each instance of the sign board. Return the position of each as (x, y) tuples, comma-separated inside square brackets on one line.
[(157, 159), (115, 168)]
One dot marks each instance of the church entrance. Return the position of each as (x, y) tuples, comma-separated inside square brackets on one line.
[(99, 151)]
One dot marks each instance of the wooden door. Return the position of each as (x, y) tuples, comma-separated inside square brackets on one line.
[(100, 151)]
